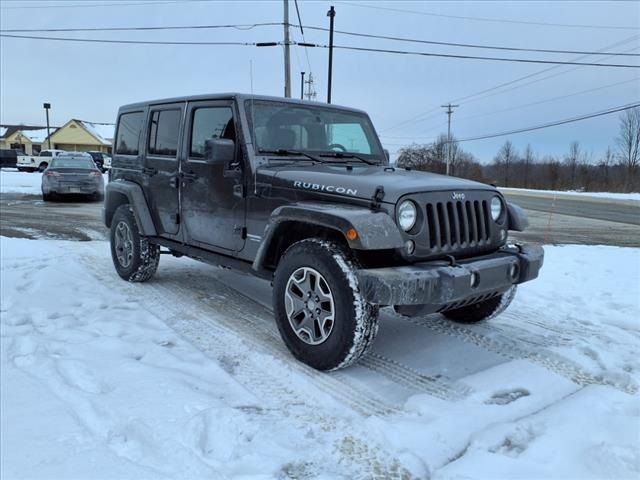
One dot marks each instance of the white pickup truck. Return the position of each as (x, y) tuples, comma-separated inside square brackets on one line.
[(31, 163)]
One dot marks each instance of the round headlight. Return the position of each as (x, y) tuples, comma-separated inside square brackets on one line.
[(496, 208), (407, 215)]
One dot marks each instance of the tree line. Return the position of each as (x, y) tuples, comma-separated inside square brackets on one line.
[(615, 170)]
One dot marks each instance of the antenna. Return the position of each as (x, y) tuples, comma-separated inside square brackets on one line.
[(253, 128)]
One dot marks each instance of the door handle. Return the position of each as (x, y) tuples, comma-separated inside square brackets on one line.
[(188, 175), (149, 171)]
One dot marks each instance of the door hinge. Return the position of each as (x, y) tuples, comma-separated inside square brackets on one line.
[(242, 231)]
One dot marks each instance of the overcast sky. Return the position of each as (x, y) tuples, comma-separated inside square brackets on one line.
[(90, 81)]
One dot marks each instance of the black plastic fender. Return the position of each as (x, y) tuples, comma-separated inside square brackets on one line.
[(518, 219), (376, 230), (135, 197)]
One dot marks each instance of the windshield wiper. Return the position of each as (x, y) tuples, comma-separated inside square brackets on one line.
[(285, 152), (348, 155)]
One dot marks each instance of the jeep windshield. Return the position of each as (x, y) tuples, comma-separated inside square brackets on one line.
[(316, 130)]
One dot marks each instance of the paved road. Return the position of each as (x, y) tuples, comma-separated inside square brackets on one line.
[(27, 216), (610, 210)]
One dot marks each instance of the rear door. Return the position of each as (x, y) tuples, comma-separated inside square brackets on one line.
[(212, 194), (164, 132)]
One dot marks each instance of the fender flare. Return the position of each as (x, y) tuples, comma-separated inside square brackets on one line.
[(376, 230), (135, 196)]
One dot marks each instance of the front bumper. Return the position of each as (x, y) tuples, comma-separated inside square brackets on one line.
[(439, 285)]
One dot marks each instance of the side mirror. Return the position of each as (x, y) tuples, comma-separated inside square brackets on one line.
[(219, 150)]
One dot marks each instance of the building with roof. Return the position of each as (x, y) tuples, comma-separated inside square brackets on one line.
[(28, 138), (74, 136), (82, 136)]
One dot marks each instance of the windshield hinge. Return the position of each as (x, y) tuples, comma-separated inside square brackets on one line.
[(376, 200)]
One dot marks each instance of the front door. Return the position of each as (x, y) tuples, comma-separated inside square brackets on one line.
[(161, 166), (212, 202)]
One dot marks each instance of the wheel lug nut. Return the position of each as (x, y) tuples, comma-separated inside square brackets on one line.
[(318, 311)]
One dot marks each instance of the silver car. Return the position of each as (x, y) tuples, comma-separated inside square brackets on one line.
[(72, 175)]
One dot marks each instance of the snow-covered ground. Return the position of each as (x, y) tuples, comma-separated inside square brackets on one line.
[(28, 183), (184, 377), (609, 195)]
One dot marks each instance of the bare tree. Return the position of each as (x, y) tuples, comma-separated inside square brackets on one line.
[(506, 156), (572, 160), (529, 158), (629, 143)]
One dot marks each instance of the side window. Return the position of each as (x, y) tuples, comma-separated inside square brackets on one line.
[(129, 126), (46, 154), (163, 132), (207, 123), (349, 135)]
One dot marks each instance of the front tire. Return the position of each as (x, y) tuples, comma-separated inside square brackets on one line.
[(135, 259), (43, 166), (321, 316), (481, 311)]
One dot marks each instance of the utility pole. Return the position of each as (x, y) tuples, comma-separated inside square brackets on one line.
[(47, 106), (311, 92), (287, 58), (449, 108), (302, 86), (331, 14)]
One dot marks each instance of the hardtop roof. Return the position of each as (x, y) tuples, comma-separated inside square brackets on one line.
[(234, 96)]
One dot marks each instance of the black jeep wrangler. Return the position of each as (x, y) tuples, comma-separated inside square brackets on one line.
[(302, 194)]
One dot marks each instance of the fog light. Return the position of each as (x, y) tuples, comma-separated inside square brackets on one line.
[(410, 246), (514, 270), (474, 279)]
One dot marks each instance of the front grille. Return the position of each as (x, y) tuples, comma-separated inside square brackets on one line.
[(458, 224)]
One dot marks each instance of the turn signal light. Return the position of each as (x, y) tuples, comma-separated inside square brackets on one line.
[(352, 234), (52, 174)]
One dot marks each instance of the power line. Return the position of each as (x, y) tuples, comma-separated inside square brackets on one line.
[(91, 5), (342, 47), (469, 45), (481, 93), (143, 42), (473, 57), (553, 124), (241, 26), (486, 19), (306, 50), (323, 29), (560, 97)]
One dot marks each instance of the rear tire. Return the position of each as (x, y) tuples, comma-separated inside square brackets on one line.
[(321, 316), (47, 197), (135, 259), (481, 311)]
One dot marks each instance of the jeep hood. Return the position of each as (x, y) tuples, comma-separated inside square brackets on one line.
[(358, 181)]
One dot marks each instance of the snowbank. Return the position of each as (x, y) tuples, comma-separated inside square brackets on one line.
[(610, 195), (182, 377)]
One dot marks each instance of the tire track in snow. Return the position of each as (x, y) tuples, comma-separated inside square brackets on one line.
[(255, 321), (192, 322), (514, 348)]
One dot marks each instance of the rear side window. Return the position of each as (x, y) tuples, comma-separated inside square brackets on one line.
[(129, 127), (45, 154), (163, 133)]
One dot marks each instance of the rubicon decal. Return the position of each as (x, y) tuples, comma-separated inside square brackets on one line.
[(325, 188)]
